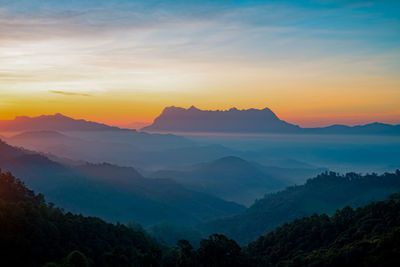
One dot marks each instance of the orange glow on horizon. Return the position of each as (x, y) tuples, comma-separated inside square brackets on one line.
[(118, 65), (316, 100), (124, 112)]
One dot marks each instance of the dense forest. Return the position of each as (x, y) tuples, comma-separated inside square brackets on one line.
[(325, 193), (367, 236), (36, 233)]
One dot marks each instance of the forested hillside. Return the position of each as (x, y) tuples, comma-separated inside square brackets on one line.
[(325, 193), (35, 233), (368, 236)]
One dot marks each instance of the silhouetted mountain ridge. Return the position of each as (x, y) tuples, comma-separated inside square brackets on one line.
[(233, 120), (56, 122), (177, 119)]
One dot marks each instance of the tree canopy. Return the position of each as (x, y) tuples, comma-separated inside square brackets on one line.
[(35, 233)]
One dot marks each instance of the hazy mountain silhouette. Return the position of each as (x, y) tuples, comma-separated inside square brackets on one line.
[(112, 192), (59, 130), (176, 119), (8, 152), (120, 147), (56, 122), (371, 128), (235, 179), (35, 139)]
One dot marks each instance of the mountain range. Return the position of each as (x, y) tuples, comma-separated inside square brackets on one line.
[(112, 192), (83, 140), (177, 119), (188, 184), (152, 151), (235, 179)]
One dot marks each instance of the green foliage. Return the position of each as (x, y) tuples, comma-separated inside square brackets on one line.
[(14, 190), (368, 236), (182, 254), (42, 233), (218, 250), (325, 193), (34, 233), (186, 254), (77, 259)]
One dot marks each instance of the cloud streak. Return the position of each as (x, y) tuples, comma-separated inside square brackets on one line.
[(68, 93), (200, 49)]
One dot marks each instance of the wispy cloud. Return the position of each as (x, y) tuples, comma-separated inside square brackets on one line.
[(69, 93)]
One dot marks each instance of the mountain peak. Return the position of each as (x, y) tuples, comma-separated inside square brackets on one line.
[(193, 108), (59, 115), (177, 119)]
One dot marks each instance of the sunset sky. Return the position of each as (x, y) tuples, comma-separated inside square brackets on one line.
[(314, 63)]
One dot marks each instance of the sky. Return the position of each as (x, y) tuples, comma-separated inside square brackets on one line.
[(314, 63)]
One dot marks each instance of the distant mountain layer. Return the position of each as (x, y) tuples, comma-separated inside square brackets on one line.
[(234, 179), (176, 119), (112, 192), (233, 120), (57, 122)]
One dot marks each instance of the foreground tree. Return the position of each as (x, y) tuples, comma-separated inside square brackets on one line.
[(218, 250), (77, 259)]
